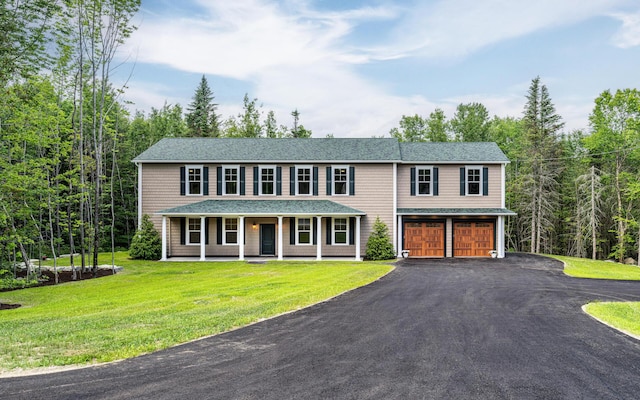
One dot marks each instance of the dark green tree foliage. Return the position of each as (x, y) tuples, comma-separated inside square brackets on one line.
[(298, 130), (146, 243), (379, 246), (419, 129), (201, 117), (470, 123)]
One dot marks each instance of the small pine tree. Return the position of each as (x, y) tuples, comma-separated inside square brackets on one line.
[(379, 246), (146, 243)]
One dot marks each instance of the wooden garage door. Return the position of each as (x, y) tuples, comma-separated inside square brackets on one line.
[(473, 239), (424, 239)]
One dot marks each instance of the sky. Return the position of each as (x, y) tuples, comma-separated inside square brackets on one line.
[(354, 68)]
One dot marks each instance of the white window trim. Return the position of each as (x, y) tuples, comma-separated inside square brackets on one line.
[(297, 182), (275, 178), (224, 180), (187, 189), (188, 232), (333, 232), (310, 231), (422, 168), (466, 180), (224, 232), (333, 180)]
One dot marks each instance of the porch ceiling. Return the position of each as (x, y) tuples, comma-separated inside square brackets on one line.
[(262, 208)]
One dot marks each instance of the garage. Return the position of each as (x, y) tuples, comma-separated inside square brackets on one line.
[(424, 239), (473, 239)]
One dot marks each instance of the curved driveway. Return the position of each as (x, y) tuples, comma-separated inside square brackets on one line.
[(489, 329)]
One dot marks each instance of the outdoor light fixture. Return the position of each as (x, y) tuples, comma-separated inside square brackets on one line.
[(254, 226)]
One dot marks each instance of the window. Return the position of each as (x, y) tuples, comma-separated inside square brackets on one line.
[(304, 231), (230, 183), (303, 175), (193, 231), (340, 180), (194, 179), (230, 233), (267, 180), (474, 181), (424, 181), (340, 231)]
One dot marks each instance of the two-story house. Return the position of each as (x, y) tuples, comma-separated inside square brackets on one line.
[(320, 197)]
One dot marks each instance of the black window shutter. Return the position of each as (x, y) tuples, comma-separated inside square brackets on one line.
[(352, 181), (256, 171), (183, 182), (413, 181), (485, 181), (219, 179), (329, 181), (292, 230), (435, 181), (292, 181), (183, 231), (462, 181), (315, 181), (206, 231), (242, 179), (278, 181), (329, 220), (352, 230), (315, 230), (205, 181), (219, 230)]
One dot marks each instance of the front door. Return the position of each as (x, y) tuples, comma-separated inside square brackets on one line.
[(267, 239)]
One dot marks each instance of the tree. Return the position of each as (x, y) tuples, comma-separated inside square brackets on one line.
[(146, 243), (379, 246), (298, 130), (470, 123), (202, 119), (412, 129), (437, 126)]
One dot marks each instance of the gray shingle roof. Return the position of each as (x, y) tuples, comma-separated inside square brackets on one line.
[(270, 150), (455, 211), (263, 207), (229, 150), (450, 152)]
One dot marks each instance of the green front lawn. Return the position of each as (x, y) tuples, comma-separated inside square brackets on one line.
[(154, 305), (623, 316)]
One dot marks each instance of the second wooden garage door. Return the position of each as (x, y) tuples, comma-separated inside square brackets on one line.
[(473, 239), (424, 239)]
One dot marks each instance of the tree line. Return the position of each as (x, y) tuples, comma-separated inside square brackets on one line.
[(67, 184)]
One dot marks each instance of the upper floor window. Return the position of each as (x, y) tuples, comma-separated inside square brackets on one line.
[(267, 180), (230, 180), (474, 181), (303, 179), (424, 181), (340, 180), (194, 178)]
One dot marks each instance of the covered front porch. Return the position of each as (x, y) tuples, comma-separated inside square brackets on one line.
[(261, 229)]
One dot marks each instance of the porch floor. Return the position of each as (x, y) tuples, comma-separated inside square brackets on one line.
[(258, 259)]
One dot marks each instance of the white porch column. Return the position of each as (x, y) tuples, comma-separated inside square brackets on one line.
[(319, 236), (358, 238), (164, 238), (280, 241), (241, 238), (399, 237), (203, 242), (500, 237)]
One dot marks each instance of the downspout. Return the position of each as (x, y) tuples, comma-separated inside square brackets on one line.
[(395, 209)]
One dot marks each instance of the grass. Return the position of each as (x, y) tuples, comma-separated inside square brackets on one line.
[(624, 316), (152, 305)]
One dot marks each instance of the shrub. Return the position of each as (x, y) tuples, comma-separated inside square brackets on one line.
[(146, 243), (379, 246)]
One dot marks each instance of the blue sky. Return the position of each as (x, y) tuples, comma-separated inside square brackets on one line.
[(353, 68)]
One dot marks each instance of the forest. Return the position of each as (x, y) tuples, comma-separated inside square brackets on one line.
[(68, 186)]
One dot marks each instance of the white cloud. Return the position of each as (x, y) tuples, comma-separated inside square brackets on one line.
[(629, 34)]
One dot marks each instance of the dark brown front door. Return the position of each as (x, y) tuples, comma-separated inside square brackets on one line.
[(424, 239)]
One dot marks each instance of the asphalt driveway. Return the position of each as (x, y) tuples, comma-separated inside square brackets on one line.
[(440, 329)]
